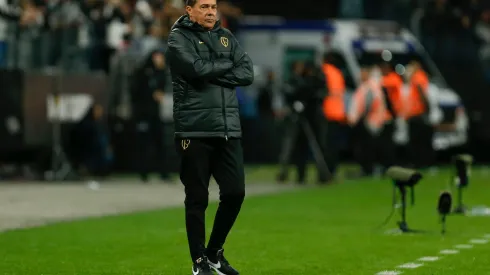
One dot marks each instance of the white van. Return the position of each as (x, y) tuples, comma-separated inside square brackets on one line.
[(274, 43)]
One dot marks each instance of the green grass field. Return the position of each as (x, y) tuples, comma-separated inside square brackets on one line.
[(319, 230)]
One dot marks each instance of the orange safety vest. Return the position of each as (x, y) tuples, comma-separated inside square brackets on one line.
[(333, 104), (394, 84), (416, 105), (376, 116)]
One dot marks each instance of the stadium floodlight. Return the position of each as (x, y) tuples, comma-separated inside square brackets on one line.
[(461, 177), (444, 208), (403, 178)]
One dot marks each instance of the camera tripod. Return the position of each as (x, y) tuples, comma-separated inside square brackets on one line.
[(300, 123)]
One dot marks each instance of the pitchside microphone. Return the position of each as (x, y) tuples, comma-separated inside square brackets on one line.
[(462, 173), (403, 178), (444, 208)]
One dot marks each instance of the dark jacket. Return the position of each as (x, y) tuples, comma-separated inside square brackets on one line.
[(145, 81), (206, 66)]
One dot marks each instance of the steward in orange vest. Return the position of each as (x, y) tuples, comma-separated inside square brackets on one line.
[(391, 85), (333, 109), (368, 103), (368, 106), (333, 105), (421, 152)]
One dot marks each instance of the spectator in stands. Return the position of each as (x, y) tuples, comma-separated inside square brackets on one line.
[(98, 14), (127, 24), (25, 14)]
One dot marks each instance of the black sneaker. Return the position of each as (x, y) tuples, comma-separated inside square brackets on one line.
[(222, 267), (201, 267)]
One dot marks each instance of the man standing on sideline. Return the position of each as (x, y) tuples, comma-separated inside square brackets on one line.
[(207, 63)]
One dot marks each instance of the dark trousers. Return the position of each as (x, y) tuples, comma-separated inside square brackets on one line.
[(420, 150), (302, 151), (386, 147), (333, 142), (365, 149), (201, 159), (151, 151)]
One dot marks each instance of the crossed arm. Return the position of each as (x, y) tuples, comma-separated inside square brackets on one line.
[(184, 58), (228, 72), (242, 73)]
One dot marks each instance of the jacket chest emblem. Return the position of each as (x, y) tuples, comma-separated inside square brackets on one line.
[(224, 41)]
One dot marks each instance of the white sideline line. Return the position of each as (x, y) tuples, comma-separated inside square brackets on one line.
[(479, 241), (410, 265), (449, 251), (389, 272), (484, 240), (464, 246), (428, 259)]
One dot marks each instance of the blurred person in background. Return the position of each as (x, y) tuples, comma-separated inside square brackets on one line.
[(306, 87), (24, 13), (90, 144), (333, 109), (147, 92), (292, 87), (391, 84), (128, 23), (207, 65), (266, 96), (98, 14), (417, 115), (367, 115)]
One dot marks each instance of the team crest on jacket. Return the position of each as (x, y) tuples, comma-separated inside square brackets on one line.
[(224, 41)]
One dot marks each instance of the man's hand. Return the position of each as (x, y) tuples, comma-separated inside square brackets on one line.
[(158, 96)]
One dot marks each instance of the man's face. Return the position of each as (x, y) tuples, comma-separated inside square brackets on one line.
[(204, 12)]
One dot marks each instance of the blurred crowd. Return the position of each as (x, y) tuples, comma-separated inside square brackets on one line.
[(84, 34)]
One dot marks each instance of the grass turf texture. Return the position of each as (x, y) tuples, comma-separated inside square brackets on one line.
[(327, 230)]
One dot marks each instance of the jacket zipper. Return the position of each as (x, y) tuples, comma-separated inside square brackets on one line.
[(222, 102)]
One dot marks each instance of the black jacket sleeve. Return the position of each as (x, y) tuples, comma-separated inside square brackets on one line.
[(242, 73), (184, 58)]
